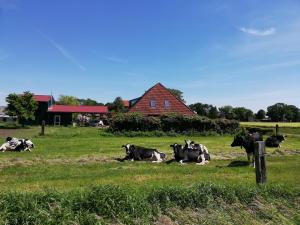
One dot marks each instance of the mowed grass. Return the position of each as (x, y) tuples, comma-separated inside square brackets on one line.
[(68, 158), (271, 124)]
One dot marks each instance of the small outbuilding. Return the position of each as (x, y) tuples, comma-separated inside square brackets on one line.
[(54, 114), (62, 114)]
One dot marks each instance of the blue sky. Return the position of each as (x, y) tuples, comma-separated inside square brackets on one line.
[(240, 53)]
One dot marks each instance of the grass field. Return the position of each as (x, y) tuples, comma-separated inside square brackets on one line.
[(68, 159), (270, 124)]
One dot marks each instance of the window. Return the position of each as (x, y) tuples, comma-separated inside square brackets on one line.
[(153, 103), (167, 104)]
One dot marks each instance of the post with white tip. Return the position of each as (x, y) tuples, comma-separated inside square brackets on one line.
[(260, 162)]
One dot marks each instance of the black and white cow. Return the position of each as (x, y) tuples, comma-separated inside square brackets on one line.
[(191, 152), (247, 142), (141, 153), (274, 141), (15, 144)]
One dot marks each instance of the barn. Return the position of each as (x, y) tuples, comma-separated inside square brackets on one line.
[(159, 100), (54, 114), (62, 114)]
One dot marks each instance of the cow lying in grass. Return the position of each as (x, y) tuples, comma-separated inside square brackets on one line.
[(141, 153), (247, 141), (15, 144), (191, 152), (274, 141)]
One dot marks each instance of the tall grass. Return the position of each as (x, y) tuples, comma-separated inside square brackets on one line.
[(113, 204)]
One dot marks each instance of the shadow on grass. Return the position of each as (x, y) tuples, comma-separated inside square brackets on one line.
[(238, 164)]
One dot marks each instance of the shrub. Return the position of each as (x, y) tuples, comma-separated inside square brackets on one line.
[(171, 123)]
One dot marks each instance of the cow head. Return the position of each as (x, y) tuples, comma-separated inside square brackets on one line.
[(176, 148), (127, 148), (28, 143), (189, 143), (238, 141), (280, 138), (8, 139)]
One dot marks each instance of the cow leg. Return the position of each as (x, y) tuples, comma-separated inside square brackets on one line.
[(202, 160), (249, 157), (157, 157), (183, 161), (3, 147)]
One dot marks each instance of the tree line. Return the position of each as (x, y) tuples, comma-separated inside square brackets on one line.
[(278, 112)]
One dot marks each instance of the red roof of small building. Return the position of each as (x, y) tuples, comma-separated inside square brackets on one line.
[(42, 98), (78, 109), (160, 94), (126, 103)]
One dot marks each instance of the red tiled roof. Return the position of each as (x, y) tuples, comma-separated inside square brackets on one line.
[(78, 109), (126, 103), (160, 93), (42, 98)]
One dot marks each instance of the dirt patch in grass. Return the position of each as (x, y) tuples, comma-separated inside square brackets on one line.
[(4, 163), (7, 132), (62, 161)]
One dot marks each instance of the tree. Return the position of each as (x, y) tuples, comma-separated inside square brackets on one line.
[(200, 108), (117, 105), (67, 100), (292, 113), (261, 114), (205, 110), (89, 101), (227, 112), (242, 114), (178, 94), (213, 112), (23, 106), (276, 112)]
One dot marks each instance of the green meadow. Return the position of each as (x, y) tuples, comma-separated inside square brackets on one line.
[(73, 161)]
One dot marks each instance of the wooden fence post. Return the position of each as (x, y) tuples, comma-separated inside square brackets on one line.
[(260, 162), (277, 129), (43, 128)]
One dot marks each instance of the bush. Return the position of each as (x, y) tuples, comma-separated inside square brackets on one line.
[(136, 122)]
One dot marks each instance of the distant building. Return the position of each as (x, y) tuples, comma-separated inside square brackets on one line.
[(61, 114), (159, 100), (4, 117)]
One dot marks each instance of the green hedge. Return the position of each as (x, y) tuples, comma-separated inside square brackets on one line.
[(171, 122)]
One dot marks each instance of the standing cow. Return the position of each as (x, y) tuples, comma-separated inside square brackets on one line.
[(134, 152), (247, 142)]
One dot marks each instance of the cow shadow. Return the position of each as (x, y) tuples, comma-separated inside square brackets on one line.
[(119, 159), (238, 164), (170, 161)]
